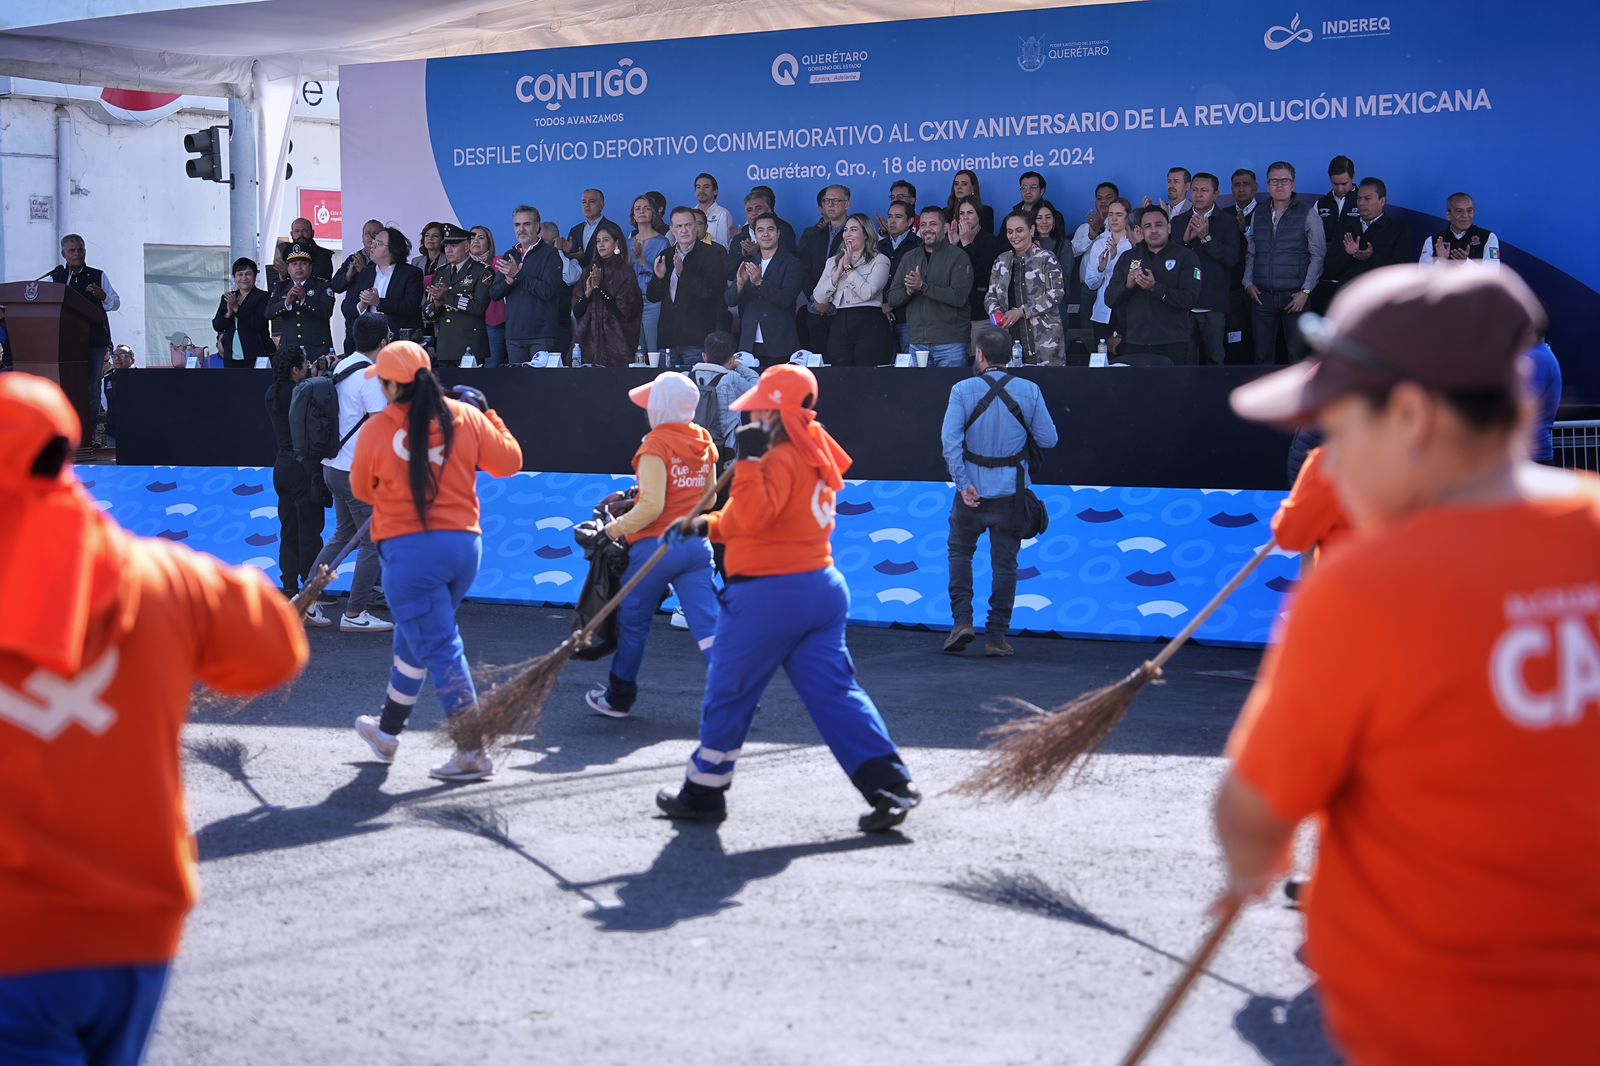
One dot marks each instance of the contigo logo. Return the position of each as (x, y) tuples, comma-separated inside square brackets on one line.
[(785, 69), (1278, 37), (551, 90)]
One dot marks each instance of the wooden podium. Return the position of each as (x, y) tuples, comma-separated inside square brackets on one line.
[(49, 326)]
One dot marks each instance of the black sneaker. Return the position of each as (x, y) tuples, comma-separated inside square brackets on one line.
[(674, 805), (890, 808)]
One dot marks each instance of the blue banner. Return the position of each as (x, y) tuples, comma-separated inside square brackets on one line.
[(1116, 563), (1433, 96)]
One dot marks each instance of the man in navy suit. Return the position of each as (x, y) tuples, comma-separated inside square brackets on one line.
[(766, 289), (1373, 239), (579, 244)]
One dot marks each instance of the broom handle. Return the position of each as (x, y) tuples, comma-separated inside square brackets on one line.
[(706, 500), (324, 578), (1180, 988), (1209, 609)]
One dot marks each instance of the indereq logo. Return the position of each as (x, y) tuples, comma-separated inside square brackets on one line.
[(624, 79), (1278, 37)]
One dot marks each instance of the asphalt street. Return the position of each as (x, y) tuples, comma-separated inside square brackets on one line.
[(361, 913)]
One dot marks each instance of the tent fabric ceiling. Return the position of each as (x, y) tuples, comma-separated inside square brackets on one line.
[(211, 48)]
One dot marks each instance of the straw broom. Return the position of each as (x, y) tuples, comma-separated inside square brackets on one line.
[(314, 588), (514, 707), (1180, 988), (1032, 754), (205, 699)]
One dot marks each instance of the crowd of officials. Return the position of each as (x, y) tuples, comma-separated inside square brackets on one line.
[(1182, 279)]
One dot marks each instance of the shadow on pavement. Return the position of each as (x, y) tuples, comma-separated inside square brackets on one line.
[(1287, 1032), (1032, 894), (693, 877), (348, 811)]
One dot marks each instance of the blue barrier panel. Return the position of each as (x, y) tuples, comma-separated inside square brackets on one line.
[(1118, 563)]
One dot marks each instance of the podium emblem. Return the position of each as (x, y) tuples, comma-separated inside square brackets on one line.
[(31, 292)]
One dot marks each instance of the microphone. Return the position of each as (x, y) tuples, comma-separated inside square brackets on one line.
[(46, 274)]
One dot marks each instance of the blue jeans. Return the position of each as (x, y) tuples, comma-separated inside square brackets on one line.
[(425, 577), (949, 355), (682, 358), (996, 517), (497, 345), (687, 568), (795, 621), (902, 337), (98, 1016), (648, 326)]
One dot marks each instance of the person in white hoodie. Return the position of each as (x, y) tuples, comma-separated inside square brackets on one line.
[(1102, 259)]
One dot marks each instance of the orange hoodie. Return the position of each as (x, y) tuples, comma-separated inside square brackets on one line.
[(779, 515), (1311, 519), (97, 866), (380, 474), (688, 458)]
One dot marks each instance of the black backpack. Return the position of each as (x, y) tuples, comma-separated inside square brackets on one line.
[(708, 412), (314, 415)]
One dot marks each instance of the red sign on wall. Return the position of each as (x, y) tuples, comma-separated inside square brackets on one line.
[(325, 209)]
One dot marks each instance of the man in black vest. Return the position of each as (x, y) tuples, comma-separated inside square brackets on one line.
[(92, 282), (1209, 232), (1283, 264), (1338, 211), (301, 305), (1461, 240), (899, 237), (1374, 240)]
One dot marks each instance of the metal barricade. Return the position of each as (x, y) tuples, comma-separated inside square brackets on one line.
[(1577, 444)]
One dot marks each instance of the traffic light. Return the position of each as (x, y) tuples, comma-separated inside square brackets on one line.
[(207, 144)]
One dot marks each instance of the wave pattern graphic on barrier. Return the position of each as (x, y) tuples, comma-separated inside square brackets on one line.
[(1122, 563)]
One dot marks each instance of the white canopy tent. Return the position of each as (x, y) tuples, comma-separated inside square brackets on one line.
[(258, 51)]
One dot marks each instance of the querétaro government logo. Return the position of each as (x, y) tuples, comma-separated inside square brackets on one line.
[(1278, 37), (1030, 53), (785, 68)]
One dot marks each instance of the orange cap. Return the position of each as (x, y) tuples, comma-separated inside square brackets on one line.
[(399, 362), (785, 387), (33, 412)]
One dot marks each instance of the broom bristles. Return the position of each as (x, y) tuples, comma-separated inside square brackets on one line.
[(512, 707), (1032, 754)]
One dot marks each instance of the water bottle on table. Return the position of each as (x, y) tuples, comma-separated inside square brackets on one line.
[(1016, 353), (1099, 358), (577, 355)]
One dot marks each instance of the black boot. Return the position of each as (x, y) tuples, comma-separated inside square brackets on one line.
[(695, 803), (889, 808)]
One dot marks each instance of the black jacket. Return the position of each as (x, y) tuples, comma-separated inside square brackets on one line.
[(786, 242), (686, 320), (304, 323), (816, 245), (403, 305), (246, 335), (983, 251), (1334, 224), (886, 246), (1389, 239), (770, 305), (1219, 256), (1159, 315)]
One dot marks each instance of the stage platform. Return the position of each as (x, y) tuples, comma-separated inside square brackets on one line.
[(1166, 428)]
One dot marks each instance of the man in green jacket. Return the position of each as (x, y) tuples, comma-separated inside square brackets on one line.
[(934, 282)]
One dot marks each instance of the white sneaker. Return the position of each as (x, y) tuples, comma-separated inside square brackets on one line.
[(315, 617), (464, 766), (596, 699), (382, 744), (679, 620), (365, 622)]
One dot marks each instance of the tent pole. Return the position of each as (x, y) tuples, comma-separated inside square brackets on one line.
[(244, 223)]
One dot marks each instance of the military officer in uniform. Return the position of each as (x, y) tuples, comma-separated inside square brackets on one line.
[(456, 301), (301, 306)]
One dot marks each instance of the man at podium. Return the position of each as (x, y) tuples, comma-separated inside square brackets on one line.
[(92, 283)]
